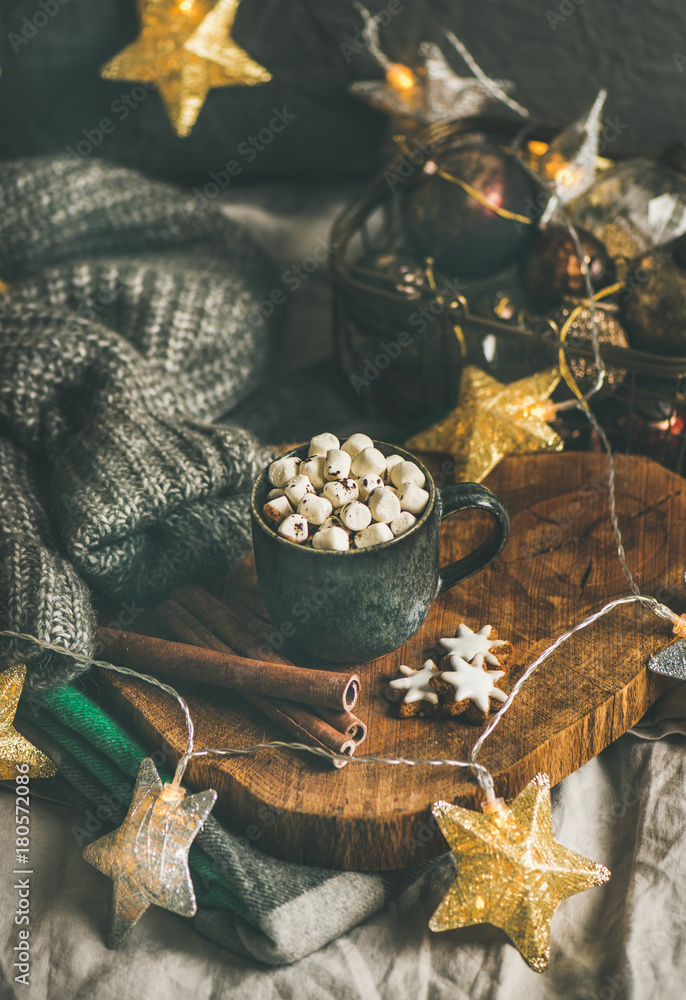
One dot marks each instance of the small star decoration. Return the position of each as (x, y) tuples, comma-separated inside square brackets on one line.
[(511, 872), (185, 48), (213, 41), (14, 749), (434, 93), (147, 856), (492, 420)]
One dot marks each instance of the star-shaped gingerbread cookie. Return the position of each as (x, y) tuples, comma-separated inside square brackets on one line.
[(418, 696), (469, 688), (468, 644)]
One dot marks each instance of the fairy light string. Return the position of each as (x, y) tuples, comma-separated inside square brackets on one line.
[(490, 85), (371, 35), (481, 773)]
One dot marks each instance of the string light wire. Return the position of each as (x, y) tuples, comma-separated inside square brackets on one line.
[(482, 774)]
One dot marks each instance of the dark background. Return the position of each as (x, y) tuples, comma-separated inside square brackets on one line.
[(558, 53)]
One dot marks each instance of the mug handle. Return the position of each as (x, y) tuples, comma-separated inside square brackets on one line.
[(473, 496)]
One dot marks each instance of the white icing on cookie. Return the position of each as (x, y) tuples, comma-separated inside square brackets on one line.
[(468, 644), (415, 683), (470, 680)]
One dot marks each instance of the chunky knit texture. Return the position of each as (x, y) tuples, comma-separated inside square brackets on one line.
[(131, 321)]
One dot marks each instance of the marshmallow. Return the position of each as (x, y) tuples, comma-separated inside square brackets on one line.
[(332, 521), (384, 505), (344, 495), (407, 472), (321, 443), (357, 443), (294, 528), (413, 498), (313, 468), (315, 509), (337, 464), (391, 463), (368, 460), (373, 535), (282, 470), (296, 489), (334, 539), (275, 511), (403, 523), (340, 492), (356, 516), (368, 483)]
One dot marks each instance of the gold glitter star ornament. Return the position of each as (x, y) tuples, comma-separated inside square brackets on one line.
[(165, 54), (511, 872), (14, 749), (492, 420), (212, 40), (147, 856)]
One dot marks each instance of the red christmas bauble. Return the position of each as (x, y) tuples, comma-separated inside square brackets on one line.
[(466, 237)]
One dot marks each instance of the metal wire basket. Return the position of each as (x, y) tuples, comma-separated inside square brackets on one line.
[(404, 345)]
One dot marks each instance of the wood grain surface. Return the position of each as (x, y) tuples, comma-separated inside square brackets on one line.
[(559, 565)]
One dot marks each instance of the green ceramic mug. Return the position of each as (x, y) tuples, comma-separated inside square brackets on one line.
[(349, 607)]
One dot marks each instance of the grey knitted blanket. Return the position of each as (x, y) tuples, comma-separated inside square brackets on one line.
[(131, 322)]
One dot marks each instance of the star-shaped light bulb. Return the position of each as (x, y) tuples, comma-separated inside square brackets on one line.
[(435, 91), (431, 94), (569, 163), (14, 748), (511, 872), (401, 77), (212, 40), (164, 54), (147, 856), (492, 420)]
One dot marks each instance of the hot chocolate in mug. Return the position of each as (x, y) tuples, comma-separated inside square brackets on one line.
[(350, 607)]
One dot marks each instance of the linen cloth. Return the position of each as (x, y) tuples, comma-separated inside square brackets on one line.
[(625, 808)]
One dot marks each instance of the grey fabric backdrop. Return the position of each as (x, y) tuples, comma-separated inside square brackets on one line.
[(558, 53)]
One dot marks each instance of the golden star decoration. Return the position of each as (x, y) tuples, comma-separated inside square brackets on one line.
[(492, 420), (511, 872), (14, 749), (212, 40), (161, 55), (147, 856)]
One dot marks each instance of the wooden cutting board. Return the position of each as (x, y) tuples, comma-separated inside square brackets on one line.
[(559, 565)]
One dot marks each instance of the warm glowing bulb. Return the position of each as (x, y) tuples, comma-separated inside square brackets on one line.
[(185, 4), (567, 177), (553, 165), (537, 148), (400, 77), (543, 410)]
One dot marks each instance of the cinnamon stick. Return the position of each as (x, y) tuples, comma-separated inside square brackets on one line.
[(315, 687), (294, 719), (244, 634), (346, 723)]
